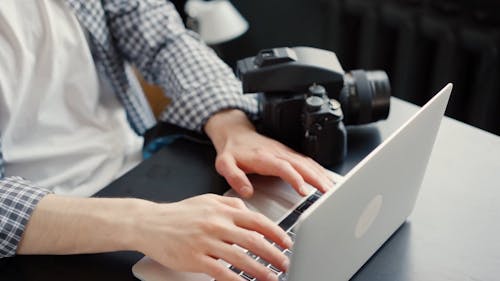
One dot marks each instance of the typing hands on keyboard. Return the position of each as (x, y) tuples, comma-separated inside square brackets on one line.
[(286, 224)]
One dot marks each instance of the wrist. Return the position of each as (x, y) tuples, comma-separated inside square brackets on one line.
[(225, 123), (135, 223)]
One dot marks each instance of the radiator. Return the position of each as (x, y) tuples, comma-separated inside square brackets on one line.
[(423, 45)]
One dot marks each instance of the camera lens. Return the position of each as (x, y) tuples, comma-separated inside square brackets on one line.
[(365, 97)]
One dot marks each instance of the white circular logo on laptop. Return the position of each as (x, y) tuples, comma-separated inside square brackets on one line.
[(368, 216)]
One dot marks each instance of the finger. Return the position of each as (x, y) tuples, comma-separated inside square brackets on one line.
[(237, 179), (233, 202), (255, 243), (288, 152), (310, 173), (261, 224), (330, 175), (217, 270), (267, 164), (302, 162), (320, 169), (242, 261)]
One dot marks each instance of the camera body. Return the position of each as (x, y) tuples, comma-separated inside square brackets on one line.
[(306, 99)]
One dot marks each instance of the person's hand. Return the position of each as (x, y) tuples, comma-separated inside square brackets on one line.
[(241, 150), (191, 235)]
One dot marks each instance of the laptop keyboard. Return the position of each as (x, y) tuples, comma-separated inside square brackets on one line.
[(286, 224)]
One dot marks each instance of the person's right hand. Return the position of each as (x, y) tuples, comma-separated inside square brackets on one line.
[(191, 235)]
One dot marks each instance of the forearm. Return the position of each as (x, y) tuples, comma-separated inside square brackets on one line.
[(66, 225), (151, 35), (189, 235)]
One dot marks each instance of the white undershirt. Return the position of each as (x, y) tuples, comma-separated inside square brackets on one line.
[(61, 125)]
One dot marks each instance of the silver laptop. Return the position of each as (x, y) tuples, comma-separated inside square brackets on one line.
[(337, 232)]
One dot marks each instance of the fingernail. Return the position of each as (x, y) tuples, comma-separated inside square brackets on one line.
[(328, 185), (285, 264), (331, 185), (288, 241), (271, 277), (303, 190), (246, 190)]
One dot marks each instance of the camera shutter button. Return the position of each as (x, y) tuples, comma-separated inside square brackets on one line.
[(314, 103), (317, 90)]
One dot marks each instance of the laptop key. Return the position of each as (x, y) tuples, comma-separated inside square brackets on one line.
[(247, 276), (289, 221), (314, 197), (288, 253), (278, 246), (252, 255), (302, 207), (234, 269), (274, 269)]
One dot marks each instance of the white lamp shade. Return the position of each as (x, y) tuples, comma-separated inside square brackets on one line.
[(218, 20)]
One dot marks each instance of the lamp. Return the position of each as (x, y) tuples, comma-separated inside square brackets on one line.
[(217, 21)]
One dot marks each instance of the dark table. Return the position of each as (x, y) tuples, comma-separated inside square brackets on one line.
[(453, 233)]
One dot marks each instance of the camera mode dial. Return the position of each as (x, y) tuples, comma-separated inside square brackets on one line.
[(314, 103)]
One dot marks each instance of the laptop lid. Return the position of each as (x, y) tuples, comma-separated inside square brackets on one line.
[(339, 233)]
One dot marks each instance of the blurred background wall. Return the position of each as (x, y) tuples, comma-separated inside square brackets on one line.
[(422, 44)]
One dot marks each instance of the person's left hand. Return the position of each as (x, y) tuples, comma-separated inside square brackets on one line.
[(241, 150)]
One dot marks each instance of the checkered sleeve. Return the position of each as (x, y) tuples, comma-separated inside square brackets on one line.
[(18, 199), (150, 34)]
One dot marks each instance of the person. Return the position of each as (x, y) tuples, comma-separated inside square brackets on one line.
[(71, 120)]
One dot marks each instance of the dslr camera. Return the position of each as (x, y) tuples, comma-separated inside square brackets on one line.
[(306, 99)]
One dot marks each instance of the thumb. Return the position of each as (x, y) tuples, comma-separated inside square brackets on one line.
[(237, 179)]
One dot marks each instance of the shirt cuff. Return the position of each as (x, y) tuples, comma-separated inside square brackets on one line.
[(18, 199), (192, 110)]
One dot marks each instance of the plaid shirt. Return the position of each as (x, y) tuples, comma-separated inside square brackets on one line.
[(150, 35)]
